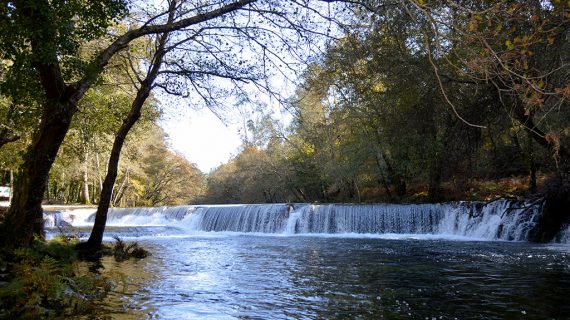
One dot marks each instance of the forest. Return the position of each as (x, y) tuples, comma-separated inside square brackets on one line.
[(150, 173), (403, 101), (418, 102), (425, 103), (393, 101)]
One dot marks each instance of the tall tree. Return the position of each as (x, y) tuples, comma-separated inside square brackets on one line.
[(143, 92), (50, 62), (53, 32)]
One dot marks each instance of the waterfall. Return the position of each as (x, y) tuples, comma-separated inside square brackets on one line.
[(66, 218), (498, 220), (374, 219), (249, 218), (160, 216), (54, 219), (564, 236)]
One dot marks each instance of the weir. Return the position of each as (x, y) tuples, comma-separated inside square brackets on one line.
[(498, 220)]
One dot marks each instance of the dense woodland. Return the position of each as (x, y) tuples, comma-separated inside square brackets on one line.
[(424, 102), (390, 111)]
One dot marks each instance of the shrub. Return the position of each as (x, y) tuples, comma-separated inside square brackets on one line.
[(124, 251)]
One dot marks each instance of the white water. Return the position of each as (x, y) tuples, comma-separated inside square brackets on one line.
[(499, 220), (565, 235), (75, 217)]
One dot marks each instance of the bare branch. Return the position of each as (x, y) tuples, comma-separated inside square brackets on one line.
[(121, 42)]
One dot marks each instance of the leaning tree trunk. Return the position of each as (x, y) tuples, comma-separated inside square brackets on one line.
[(25, 217), (96, 237)]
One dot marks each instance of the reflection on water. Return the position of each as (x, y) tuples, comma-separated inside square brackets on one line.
[(263, 277)]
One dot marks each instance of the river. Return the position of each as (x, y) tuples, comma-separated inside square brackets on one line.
[(197, 273)]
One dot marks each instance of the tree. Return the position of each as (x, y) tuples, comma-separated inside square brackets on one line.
[(373, 113), (52, 32), (63, 27), (170, 178), (519, 48), (381, 78), (78, 167), (213, 51), (143, 92), (265, 24), (34, 35)]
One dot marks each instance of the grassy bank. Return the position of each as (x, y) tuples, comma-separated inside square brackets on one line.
[(458, 190)]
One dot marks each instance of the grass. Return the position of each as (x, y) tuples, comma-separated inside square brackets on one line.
[(123, 251)]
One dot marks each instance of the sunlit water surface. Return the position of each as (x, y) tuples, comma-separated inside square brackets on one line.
[(237, 276)]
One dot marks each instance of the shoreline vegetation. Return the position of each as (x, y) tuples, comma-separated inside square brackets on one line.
[(55, 279), (458, 190)]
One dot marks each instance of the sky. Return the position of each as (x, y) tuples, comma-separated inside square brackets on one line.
[(202, 138)]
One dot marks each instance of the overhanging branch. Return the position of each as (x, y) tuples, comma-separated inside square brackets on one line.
[(122, 41)]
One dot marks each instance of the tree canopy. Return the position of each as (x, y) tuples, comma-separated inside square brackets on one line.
[(427, 100)]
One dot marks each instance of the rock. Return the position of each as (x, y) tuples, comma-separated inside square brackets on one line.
[(556, 211)]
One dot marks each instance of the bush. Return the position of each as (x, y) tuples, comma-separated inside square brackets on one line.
[(123, 251)]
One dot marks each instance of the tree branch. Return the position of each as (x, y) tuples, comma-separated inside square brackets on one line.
[(122, 42)]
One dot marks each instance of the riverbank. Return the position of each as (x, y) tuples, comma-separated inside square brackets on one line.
[(53, 207), (4, 205), (458, 190), (54, 279), (47, 280)]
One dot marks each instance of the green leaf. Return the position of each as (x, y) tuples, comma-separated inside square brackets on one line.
[(498, 27)]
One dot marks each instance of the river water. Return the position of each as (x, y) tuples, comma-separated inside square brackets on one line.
[(299, 277), (432, 273)]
